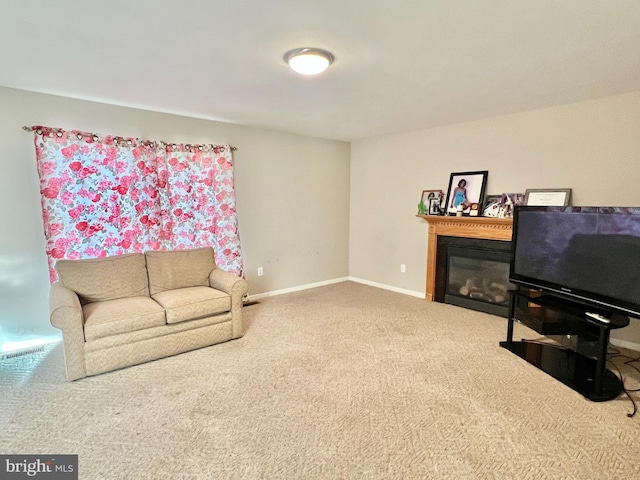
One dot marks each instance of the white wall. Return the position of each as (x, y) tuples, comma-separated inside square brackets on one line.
[(292, 197), (592, 147)]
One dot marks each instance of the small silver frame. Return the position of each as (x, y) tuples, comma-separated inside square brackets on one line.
[(551, 197)]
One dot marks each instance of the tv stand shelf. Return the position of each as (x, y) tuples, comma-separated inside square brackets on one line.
[(583, 368)]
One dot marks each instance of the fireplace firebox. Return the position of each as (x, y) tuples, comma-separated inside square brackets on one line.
[(473, 273)]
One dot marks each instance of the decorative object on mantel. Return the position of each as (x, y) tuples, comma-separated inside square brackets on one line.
[(501, 206), (465, 188), (551, 197), (492, 206), (429, 200), (507, 203), (474, 210), (435, 206)]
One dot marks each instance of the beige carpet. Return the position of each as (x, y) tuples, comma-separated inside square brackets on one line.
[(340, 382)]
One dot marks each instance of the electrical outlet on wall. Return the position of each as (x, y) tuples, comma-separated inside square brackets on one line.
[(260, 271), (403, 268)]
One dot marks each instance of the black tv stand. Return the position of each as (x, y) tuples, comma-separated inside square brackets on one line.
[(581, 367)]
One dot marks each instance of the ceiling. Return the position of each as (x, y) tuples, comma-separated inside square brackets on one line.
[(400, 65)]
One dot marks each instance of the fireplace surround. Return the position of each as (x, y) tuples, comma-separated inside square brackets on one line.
[(494, 235), (473, 273)]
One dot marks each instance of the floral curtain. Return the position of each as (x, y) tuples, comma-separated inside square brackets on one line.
[(197, 200), (108, 195)]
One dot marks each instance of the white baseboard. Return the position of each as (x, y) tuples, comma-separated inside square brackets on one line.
[(258, 296), (299, 288), (404, 291), (625, 344)]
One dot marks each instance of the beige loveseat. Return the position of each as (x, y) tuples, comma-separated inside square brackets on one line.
[(129, 309)]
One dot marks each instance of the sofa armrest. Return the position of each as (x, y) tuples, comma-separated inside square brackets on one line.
[(65, 313), (228, 283), (64, 308), (236, 287)]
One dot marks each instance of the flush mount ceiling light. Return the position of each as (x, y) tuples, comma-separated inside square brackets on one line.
[(308, 61)]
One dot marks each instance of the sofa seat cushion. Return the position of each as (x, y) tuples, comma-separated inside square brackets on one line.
[(189, 303), (124, 315)]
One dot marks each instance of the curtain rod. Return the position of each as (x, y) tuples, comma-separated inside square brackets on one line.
[(30, 129)]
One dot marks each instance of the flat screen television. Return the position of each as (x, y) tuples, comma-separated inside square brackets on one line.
[(590, 255)]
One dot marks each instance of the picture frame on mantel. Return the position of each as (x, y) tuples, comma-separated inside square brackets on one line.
[(492, 206), (551, 197), (427, 200), (465, 189), (434, 206)]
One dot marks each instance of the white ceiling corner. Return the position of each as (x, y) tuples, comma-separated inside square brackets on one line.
[(400, 66)]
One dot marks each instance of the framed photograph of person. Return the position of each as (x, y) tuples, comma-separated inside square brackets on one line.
[(492, 206), (508, 202), (435, 207), (552, 197), (465, 188), (425, 200)]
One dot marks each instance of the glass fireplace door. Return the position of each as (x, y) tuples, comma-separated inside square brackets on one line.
[(478, 279)]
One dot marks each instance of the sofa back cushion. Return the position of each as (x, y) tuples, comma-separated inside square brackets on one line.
[(179, 269), (107, 278)]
